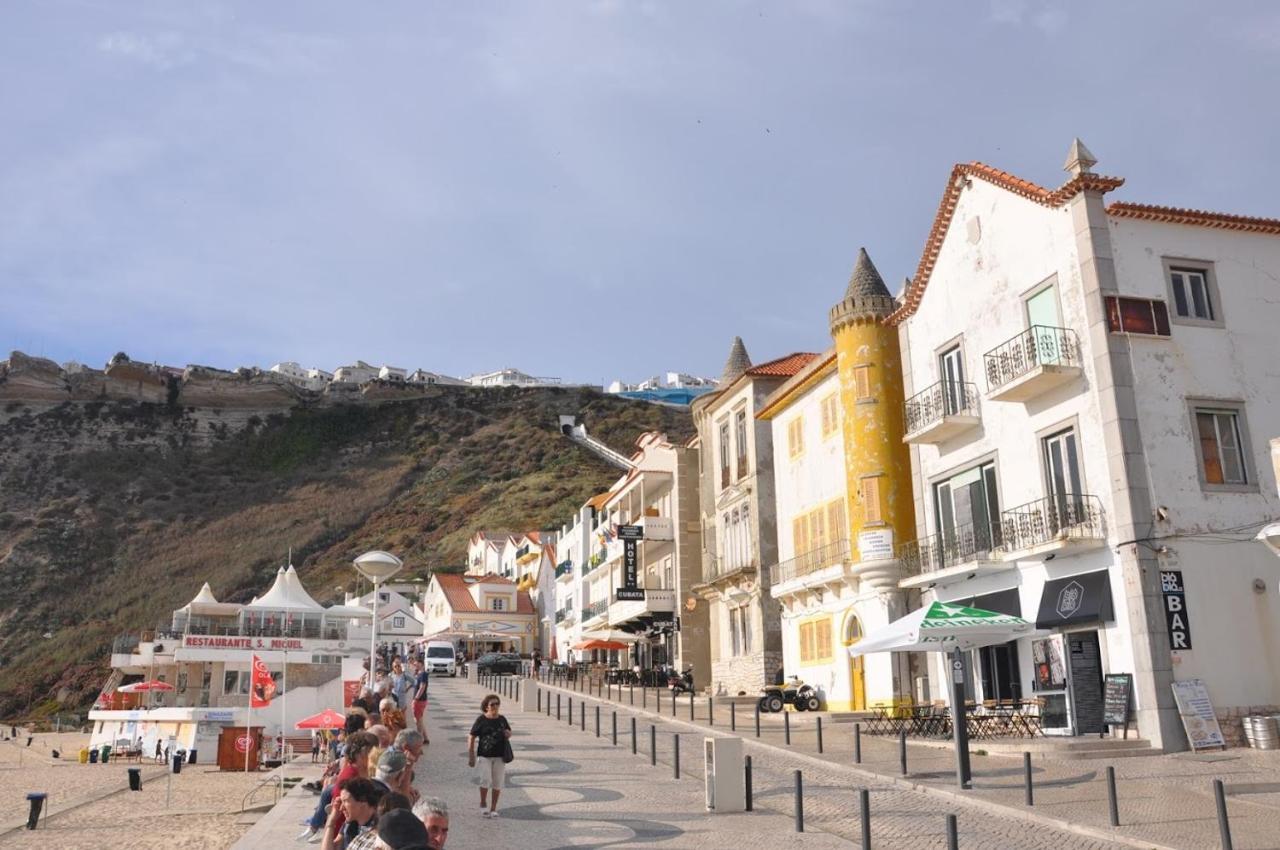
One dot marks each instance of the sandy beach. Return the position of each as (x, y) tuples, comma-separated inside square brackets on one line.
[(90, 806)]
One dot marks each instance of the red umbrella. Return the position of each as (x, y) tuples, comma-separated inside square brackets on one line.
[(327, 719), (140, 687)]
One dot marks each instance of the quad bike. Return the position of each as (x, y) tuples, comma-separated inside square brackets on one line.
[(794, 693)]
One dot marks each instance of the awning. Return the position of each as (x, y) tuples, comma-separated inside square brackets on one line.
[(1002, 602), (1085, 598)]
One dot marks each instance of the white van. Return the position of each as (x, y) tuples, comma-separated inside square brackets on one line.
[(441, 658)]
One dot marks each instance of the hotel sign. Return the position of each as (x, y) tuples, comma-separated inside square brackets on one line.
[(630, 563)]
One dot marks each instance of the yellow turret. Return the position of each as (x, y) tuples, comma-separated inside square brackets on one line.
[(877, 463)]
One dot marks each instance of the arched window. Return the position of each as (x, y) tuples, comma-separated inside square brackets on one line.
[(852, 630)]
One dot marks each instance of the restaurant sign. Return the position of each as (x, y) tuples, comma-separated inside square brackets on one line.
[(250, 643)]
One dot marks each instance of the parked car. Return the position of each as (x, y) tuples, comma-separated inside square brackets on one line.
[(499, 663), (441, 658)]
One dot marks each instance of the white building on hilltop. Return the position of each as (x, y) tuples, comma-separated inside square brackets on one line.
[(510, 378), (1089, 388)]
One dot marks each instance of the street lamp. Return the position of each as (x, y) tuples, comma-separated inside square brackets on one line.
[(377, 566), (1270, 537)]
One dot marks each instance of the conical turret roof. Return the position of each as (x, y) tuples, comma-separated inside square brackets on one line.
[(865, 280), (737, 363), (204, 596)]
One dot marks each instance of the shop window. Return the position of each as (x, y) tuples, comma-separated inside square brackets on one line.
[(1141, 316)]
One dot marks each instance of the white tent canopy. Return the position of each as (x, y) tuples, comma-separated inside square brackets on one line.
[(286, 594)]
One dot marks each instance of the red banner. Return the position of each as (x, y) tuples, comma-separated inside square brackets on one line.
[(261, 687)]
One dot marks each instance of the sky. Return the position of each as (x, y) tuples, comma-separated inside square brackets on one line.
[(590, 190)]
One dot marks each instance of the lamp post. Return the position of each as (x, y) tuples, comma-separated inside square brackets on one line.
[(1270, 537), (377, 566)]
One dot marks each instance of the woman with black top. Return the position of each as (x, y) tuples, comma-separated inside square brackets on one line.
[(488, 746)]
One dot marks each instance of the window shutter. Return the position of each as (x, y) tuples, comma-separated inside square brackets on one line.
[(862, 382), (800, 535), (871, 500), (836, 528)]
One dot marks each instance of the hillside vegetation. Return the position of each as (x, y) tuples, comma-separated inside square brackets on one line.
[(112, 514)]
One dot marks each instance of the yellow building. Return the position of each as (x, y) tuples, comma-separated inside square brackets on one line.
[(844, 502)]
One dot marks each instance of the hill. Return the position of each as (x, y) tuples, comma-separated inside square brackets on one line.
[(113, 512)]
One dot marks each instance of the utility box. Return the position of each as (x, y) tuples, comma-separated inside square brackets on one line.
[(723, 769), (529, 696)]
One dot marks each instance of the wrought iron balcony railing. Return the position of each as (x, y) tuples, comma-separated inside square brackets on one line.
[(935, 403), (564, 568), (1038, 345), (963, 544), (595, 609), (1068, 516), (811, 561)]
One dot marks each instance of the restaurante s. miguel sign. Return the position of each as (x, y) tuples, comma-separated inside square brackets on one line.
[(252, 643)]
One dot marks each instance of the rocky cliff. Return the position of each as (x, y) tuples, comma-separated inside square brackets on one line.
[(122, 490)]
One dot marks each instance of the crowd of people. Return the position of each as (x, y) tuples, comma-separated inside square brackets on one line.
[(367, 799)]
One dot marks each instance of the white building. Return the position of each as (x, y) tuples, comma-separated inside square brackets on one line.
[(484, 552), (357, 374), (392, 373), (510, 378), (1090, 386), (422, 376), (206, 653), (480, 613), (400, 614)]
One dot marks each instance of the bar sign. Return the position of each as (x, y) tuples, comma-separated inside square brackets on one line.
[(1175, 609)]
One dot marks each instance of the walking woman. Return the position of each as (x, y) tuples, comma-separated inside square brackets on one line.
[(489, 746)]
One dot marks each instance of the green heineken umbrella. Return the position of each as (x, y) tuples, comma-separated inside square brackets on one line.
[(943, 627)]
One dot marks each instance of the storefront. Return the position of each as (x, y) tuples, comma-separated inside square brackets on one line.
[(1067, 666)]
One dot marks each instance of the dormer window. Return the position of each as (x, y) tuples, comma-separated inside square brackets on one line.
[(497, 604)]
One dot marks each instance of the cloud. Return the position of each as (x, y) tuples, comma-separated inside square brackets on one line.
[(1048, 16), (163, 51)]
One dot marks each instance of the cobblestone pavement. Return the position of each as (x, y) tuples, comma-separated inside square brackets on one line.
[(1164, 800), (901, 817), (566, 789)]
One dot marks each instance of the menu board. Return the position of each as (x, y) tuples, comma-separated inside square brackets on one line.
[(1116, 689), (1197, 714)]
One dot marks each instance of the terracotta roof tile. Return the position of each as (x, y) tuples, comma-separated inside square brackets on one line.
[(816, 369), (455, 590), (783, 367), (959, 180), (1198, 218)]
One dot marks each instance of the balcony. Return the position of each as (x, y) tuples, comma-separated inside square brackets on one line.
[(717, 568), (564, 568), (1032, 363), (810, 562), (961, 553), (636, 615), (941, 412), (1065, 522), (658, 528), (566, 616), (594, 610)]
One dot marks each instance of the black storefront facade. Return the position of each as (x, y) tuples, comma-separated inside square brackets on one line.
[(1062, 664)]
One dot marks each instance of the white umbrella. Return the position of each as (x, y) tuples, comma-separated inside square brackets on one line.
[(943, 627)]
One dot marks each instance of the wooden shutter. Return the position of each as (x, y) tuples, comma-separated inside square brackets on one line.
[(800, 535), (862, 382), (817, 529), (836, 528), (871, 500)]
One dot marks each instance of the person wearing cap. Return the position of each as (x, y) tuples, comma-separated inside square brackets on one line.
[(393, 773), (399, 829)]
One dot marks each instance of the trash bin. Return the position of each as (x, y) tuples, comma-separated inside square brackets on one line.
[(191, 756), (135, 779), (37, 803), (177, 762), (93, 756), (106, 753), (84, 755)]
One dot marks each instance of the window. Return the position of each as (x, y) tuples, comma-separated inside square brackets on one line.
[(1222, 453), (815, 641), (836, 527), (735, 619), (861, 383), (1145, 316), (498, 604), (830, 415), (740, 427), (871, 509), (397, 623), (744, 627), (724, 455), (795, 437), (1193, 292), (951, 368)]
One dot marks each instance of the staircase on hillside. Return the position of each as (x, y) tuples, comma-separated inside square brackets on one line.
[(578, 433)]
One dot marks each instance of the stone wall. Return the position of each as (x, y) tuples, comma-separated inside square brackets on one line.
[(1232, 721), (747, 673)]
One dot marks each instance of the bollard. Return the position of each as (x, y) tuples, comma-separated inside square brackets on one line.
[(675, 758), (902, 751), (633, 736), (539, 700), (733, 717), (864, 815), (632, 690), (799, 803), (1112, 803), (37, 803), (135, 778), (515, 691), (786, 726), (557, 706), (582, 716), (614, 724), (757, 720), (597, 721), (857, 743), (653, 745), (1026, 779), (746, 780), (1224, 826), (953, 833), (644, 697), (570, 711), (711, 711), (673, 703), (819, 720), (690, 706)]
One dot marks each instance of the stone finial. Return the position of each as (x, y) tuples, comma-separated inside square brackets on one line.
[(737, 363), (1080, 160)]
